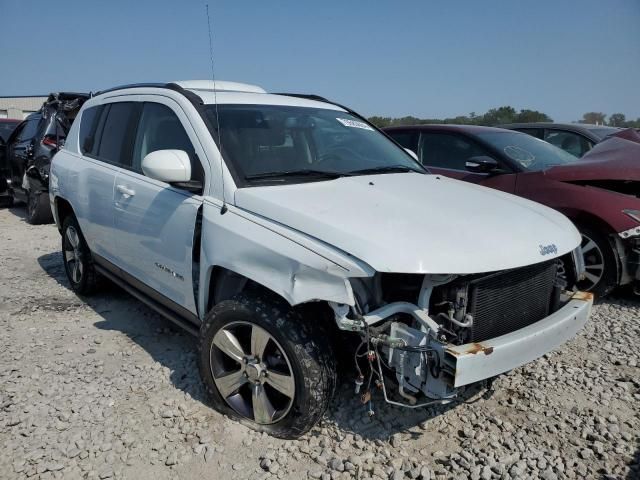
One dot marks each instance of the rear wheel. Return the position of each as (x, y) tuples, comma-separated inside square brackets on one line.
[(38, 208), (6, 201), (601, 263), (266, 366), (76, 256)]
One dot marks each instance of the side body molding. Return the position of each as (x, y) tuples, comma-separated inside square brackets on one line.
[(295, 266)]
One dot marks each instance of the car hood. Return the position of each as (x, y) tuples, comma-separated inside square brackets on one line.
[(416, 223), (615, 158)]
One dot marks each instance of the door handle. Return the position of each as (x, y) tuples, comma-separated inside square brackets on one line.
[(125, 191)]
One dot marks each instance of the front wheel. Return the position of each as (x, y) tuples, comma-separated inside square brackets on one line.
[(600, 260), (265, 366)]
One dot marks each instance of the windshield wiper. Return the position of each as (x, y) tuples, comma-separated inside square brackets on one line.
[(387, 169), (295, 173)]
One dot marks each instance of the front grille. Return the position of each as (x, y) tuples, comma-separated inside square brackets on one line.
[(512, 299)]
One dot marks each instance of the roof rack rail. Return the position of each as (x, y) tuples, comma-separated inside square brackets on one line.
[(131, 85), (308, 96)]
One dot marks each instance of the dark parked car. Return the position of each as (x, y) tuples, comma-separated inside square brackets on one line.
[(30, 148), (600, 193), (7, 126), (574, 138)]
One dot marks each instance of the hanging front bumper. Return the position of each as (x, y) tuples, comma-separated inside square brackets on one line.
[(473, 362)]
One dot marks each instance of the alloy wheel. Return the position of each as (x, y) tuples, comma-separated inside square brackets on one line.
[(72, 255), (252, 372), (593, 262)]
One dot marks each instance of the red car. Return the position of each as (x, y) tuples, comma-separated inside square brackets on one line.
[(600, 192)]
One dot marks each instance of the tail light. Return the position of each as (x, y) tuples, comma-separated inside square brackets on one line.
[(50, 141)]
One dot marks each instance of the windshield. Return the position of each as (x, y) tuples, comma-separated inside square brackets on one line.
[(529, 152), (274, 142)]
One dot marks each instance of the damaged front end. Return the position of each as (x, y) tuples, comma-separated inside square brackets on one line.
[(435, 334)]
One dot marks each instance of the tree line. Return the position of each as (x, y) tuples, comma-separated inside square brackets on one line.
[(506, 114)]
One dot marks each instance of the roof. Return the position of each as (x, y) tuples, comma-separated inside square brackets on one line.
[(568, 126), (219, 86), (447, 127), (221, 91), (262, 99)]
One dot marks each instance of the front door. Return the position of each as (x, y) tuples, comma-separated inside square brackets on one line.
[(20, 150), (154, 221)]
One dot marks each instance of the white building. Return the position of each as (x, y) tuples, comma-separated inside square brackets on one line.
[(20, 107)]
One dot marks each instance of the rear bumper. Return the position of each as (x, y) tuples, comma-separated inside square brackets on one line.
[(478, 361)]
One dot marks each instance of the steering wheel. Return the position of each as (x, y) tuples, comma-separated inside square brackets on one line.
[(334, 156)]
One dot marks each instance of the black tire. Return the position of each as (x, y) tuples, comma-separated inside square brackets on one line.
[(307, 352), (598, 249), (78, 263), (38, 208), (6, 201)]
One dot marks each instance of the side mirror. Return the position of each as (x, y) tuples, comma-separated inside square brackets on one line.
[(412, 153), (168, 166), (481, 164)]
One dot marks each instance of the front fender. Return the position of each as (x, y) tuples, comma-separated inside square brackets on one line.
[(286, 262)]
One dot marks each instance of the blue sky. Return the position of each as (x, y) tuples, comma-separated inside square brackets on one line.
[(422, 58)]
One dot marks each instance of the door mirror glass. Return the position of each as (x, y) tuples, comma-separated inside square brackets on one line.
[(168, 166), (481, 164), (412, 153)]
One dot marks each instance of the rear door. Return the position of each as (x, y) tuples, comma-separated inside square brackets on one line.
[(104, 134), (446, 153), (154, 221)]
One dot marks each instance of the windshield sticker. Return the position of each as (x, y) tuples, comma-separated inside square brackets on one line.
[(354, 123), (519, 154)]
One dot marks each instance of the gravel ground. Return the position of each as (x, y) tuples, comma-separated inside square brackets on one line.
[(103, 387)]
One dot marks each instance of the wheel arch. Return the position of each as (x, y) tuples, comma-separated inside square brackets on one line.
[(223, 283), (582, 218), (61, 209)]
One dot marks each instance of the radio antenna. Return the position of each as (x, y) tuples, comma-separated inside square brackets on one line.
[(223, 210)]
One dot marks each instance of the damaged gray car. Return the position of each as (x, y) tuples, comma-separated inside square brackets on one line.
[(29, 151)]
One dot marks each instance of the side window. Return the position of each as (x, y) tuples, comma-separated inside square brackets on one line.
[(446, 150), (88, 124), (406, 139), (113, 141), (570, 142), (160, 129), (30, 129)]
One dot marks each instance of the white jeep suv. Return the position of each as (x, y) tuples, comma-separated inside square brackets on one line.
[(271, 224)]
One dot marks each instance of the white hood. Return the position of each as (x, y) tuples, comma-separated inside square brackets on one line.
[(415, 223)]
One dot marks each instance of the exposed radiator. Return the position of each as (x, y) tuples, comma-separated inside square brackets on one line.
[(508, 300)]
